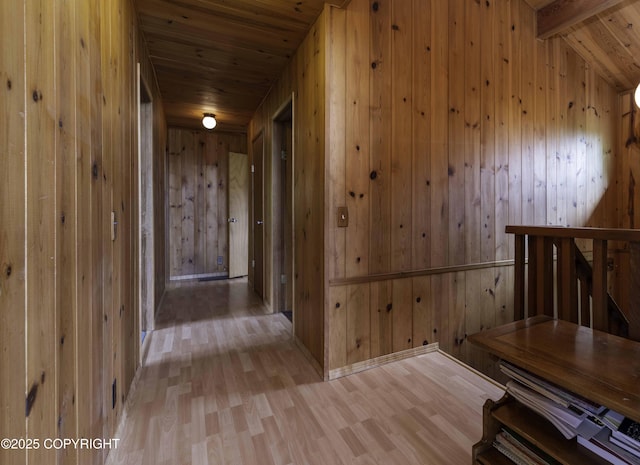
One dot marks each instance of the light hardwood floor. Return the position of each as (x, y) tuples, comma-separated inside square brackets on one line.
[(225, 384)]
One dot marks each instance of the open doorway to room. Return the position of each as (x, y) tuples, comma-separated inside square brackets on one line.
[(282, 188), (145, 211)]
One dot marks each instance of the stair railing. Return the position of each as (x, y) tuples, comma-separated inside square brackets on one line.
[(555, 278)]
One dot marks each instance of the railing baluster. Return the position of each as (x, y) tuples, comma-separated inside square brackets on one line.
[(567, 281), (590, 304), (634, 292), (518, 310), (540, 276), (585, 303), (599, 308)]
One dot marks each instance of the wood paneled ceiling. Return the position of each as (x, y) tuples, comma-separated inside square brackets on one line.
[(222, 56), (606, 33)]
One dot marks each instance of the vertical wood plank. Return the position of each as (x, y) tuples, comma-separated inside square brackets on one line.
[(456, 127), (380, 133), (487, 85), (504, 285), (540, 135), (562, 107), (337, 123), (473, 295), (175, 203), (41, 223), (337, 327), (553, 82), (572, 137), (188, 204), (66, 223), (422, 311), (421, 135), (357, 151), (473, 16), (358, 323), (402, 314), (108, 251), (527, 111), (453, 321), (99, 231), (401, 140), (223, 147), (381, 306), (582, 214), (440, 301), (13, 312), (439, 133), (502, 101), (211, 215), (86, 311), (199, 204), (516, 149)]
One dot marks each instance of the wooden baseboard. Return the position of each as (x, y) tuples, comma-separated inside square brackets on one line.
[(382, 360)]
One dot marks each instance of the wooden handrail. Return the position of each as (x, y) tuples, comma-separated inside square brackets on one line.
[(604, 234)]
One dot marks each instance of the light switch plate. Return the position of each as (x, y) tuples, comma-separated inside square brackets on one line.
[(343, 217)]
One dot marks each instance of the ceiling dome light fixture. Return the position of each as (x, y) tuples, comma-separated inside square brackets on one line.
[(637, 95), (209, 120)]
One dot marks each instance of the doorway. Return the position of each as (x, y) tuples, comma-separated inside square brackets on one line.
[(257, 223), (282, 175), (238, 220), (146, 254)]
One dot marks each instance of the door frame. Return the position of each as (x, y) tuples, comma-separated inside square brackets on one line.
[(254, 265), (145, 238), (282, 256)]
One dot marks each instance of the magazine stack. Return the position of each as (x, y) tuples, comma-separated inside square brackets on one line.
[(602, 431)]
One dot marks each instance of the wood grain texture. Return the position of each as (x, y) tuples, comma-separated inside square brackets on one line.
[(571, 356), (69, 106), (510, 135), (234, 388), (561, 14), (12, 250), (238, 199), (305, 78), (41, 343), (198, 200), (66, 226), (241, 47)]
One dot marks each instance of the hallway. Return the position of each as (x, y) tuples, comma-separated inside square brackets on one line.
[(225, 384)]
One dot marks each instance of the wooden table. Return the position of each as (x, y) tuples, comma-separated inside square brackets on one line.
[(593, 364)]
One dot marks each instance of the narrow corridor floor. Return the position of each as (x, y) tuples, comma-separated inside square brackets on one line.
[(224, 383)]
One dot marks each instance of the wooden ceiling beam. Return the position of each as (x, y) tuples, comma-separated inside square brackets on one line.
[(562, 14)]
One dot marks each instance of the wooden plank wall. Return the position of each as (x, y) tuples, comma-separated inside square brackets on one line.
[(304, 76), (197, 200), (452, 121), (68, 306), (622, 283)]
